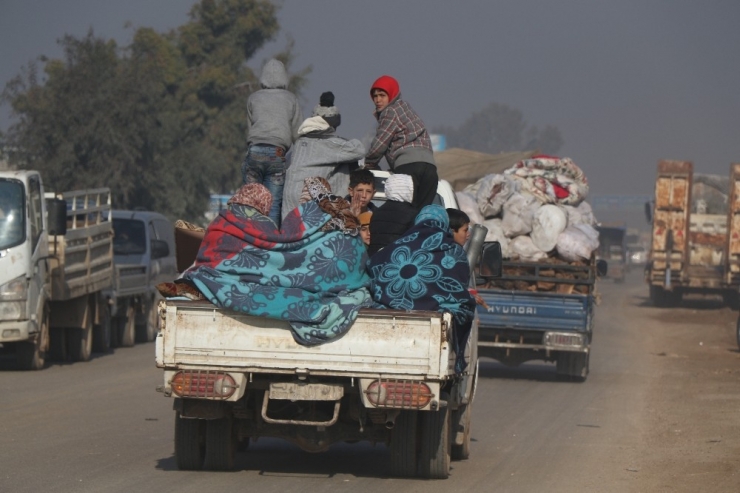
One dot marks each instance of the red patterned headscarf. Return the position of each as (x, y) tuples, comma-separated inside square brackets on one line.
[(254, 195)]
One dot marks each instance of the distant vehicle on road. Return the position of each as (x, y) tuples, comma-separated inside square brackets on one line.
[(637, 255), (144, 249)]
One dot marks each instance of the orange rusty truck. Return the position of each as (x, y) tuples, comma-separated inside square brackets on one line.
[(695, 234)]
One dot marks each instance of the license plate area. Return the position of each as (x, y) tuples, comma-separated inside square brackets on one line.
[(289, 391)]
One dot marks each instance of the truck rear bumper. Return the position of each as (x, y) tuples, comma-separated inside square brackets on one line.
[(547, 341), (16, 331)]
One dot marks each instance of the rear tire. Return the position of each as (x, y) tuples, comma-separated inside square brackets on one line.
[(436, 446), (221, 443), (190, 446), (127, 327), (573, 365), (147, 331), (103, 332), (658, 296), (79, 343), (80, 339), (403, 445), (461, 432)]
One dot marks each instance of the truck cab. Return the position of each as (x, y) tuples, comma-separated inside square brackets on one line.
[(24, 284), (144, 253)]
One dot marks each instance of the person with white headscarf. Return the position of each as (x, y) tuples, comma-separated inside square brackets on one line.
[(320, 152), (392, 219)]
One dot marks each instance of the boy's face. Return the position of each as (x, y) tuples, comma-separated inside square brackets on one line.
[(364, 192), (461, 235), (381, 99)]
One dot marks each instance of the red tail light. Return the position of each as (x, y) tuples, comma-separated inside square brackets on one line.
[(203, 384), (399, 394)]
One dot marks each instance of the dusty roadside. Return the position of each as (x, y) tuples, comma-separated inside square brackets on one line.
[(691, 439)]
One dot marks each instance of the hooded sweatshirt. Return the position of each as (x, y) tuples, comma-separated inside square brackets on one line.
[(273, 112), (319, 151)]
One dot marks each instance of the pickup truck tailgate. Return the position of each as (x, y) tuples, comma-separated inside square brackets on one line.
[(387, 342), (533, 310)]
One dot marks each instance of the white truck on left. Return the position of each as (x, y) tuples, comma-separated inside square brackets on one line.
[(56, 258)]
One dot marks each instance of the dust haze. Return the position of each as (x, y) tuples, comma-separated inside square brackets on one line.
[(627, 83)]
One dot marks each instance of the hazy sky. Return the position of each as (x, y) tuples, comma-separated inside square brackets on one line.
[(627, 82)]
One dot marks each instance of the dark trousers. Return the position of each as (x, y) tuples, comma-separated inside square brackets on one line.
[(425, 180)]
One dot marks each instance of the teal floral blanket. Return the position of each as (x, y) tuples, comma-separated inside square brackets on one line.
[(316, 280)]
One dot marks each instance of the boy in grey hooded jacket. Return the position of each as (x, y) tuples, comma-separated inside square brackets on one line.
[(319, 151), (273, 118)]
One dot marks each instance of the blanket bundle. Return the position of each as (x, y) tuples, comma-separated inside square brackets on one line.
[(314, 279)]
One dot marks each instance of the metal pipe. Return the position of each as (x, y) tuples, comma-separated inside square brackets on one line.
[(478, 234)]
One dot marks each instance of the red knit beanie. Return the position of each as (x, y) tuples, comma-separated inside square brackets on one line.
[(388, 84)]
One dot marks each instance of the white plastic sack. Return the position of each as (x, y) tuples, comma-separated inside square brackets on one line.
[(518, 213), (468, 205), (577, 243), (548, 222), (583, 214), (522, 248), (493, 192), (496, 233)]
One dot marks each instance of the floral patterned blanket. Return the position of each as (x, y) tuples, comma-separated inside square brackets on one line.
[(426, 270), (314, 279)]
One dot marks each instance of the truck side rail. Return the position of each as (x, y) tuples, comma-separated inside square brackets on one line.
[(82, 259)]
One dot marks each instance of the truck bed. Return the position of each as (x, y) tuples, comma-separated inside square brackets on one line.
[(197, 334)]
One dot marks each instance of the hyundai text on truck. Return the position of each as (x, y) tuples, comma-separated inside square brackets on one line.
[(536, 310)]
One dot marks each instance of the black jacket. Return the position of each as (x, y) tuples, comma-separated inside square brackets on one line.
[(389, 222)]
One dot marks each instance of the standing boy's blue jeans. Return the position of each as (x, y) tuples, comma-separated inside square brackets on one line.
[(265, 164)]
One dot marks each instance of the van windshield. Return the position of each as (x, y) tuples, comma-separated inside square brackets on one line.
[(129, 237), (12, 214)]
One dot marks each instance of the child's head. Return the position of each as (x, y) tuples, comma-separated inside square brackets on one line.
[(365, 226), (362, 184), (383, 91), (460, 225)]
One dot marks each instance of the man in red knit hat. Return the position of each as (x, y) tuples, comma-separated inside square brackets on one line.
[(403, 139)]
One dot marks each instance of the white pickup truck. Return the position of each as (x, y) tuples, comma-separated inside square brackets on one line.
[(390, 379)]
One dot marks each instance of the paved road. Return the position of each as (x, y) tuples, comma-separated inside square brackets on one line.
[(101, 427)]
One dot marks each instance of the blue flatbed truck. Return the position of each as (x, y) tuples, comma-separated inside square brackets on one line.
[(538, 311)]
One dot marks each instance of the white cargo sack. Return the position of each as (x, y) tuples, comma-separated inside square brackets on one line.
[(468, 205), (493, 192), (522, 248), (496, 233), (548, 222), (577, 242), (518, 213), (583, 214)]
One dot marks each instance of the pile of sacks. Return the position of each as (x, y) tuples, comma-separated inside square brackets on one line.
[(536, 210)]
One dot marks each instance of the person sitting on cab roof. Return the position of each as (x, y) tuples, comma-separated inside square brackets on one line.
[(403, 140)]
